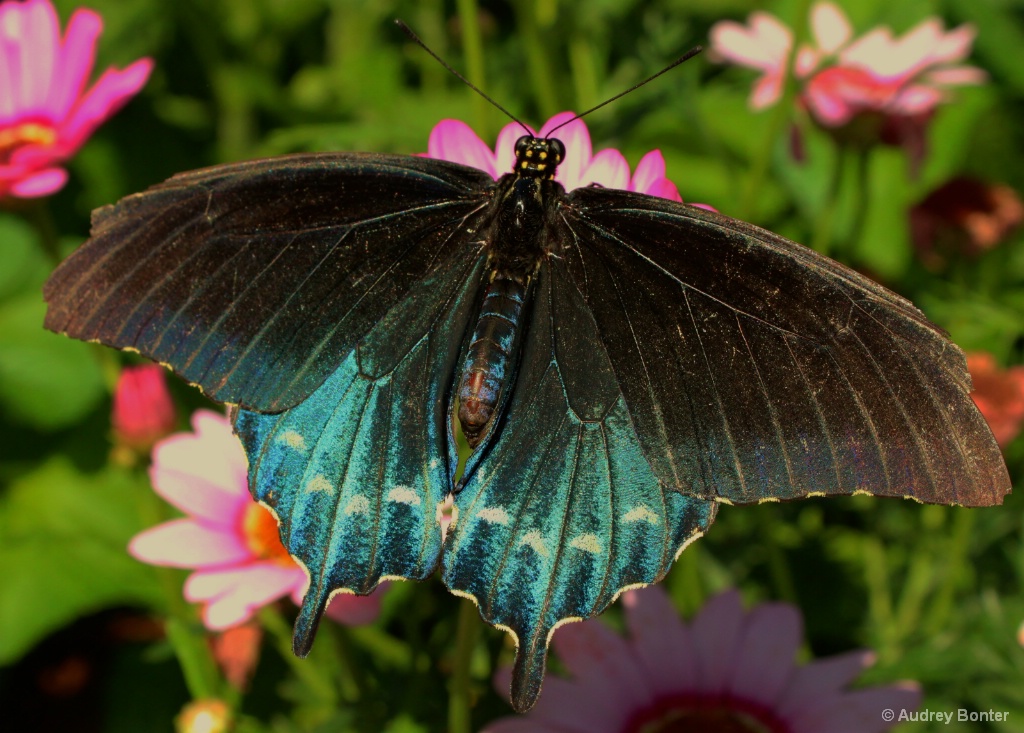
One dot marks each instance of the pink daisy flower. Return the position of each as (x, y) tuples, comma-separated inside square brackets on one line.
[(728, 670), (46, 114), (143, 411), (228, 539), (455, 141)]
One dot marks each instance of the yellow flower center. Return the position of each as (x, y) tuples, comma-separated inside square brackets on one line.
[(262, 535), (27, 133), (699, 714)]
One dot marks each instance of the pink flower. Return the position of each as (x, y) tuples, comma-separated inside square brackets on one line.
[(766, 43), (877, 73), (455, 141), (727, 670), (143, 411), (999, 394), (45, 113), (228, 539)]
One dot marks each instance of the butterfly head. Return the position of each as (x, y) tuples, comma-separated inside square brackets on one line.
[(538, 157)]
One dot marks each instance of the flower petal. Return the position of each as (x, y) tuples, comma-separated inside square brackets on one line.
[(107, 95), (716, 635), (856, 711), (578, 149), (764, 45), (821, 679), (609, 169), (650, 169), (31, 33), (74, 62), (455, 141), (232, 596), (184, 543), (663, 644), (601, 661), (766, 657), (40, 183), (203, 473), (831, 29), (766, 91)]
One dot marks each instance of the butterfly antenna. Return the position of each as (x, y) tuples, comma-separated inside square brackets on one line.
[(412, 34), (685, 57)]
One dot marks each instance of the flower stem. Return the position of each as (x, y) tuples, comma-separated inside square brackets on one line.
[(312, 675), (536, 57), (466, 634), (778, 120), (824, 227), (473, 48), (37, 214), (955, 568), (184, 632)]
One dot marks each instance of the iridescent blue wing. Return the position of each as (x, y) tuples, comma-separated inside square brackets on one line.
[(755, 369), (562, 511), (355, 473), (256, 280)]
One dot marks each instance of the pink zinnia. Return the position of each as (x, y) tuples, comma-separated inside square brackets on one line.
[(228, 539), (143, 411), (728, 670), (45, 113), (455, 141)]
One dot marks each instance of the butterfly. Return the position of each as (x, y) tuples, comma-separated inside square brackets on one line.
[(620, 364)]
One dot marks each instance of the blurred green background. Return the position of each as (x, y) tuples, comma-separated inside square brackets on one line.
[(935, 591)]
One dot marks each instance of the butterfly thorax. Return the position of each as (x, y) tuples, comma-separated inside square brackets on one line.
[(516, 246)]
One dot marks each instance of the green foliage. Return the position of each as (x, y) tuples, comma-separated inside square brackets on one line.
[(935, 591)]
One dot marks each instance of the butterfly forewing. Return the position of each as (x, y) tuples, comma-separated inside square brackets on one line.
[(755, 369), (255, 280)]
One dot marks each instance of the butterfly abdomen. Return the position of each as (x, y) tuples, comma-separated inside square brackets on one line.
[(488, 363)]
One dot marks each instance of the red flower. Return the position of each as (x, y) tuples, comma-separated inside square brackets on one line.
[(45, 113), (999, 394), (143, 411)]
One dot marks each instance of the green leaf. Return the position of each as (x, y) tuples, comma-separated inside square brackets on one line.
[(46, 380), (24, 264), (62, 552)]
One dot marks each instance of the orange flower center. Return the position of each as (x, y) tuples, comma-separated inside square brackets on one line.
[(705, 714), (262, 536), (27, 133)]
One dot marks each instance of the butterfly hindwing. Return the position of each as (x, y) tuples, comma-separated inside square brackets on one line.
[(755, 369), (355, 473), (563, 510), (255, 280)]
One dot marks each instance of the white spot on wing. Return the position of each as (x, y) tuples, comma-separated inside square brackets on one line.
[(319, 483), (292, 439), (434, 463), (641, 513), (357, 505), (534, 540), (587, 542), (404, 495), (494, 515)]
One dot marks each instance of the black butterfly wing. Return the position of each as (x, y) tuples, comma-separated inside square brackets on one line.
[(355, 472), (755, 369), (255, 280), (563, 511)]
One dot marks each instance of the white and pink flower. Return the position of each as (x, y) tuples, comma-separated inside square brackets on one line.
[(230, 541), (839, 78), (728, 670), (46, 114)]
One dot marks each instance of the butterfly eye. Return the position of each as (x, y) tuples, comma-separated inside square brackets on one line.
[(557, 149), (522, 144)]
